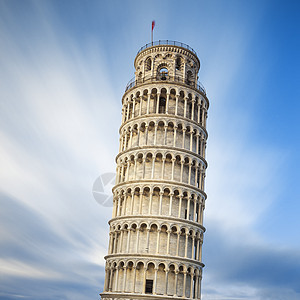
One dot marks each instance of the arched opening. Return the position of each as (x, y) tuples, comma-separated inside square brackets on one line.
[(162, 105), (189, 78), (163, 73), (178, 63), (148, 64)]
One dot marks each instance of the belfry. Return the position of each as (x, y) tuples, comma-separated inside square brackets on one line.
[(156, 230)]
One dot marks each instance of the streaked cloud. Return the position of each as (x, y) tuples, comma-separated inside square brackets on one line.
[(59, 116)]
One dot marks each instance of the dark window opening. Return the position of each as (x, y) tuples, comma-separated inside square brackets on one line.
[(162, 105), (190, 110), (185, 214), (178, 63), (189, 78), (148, 64), (149, 286)]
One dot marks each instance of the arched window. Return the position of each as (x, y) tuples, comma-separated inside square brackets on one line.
[(140, 76), (148, 64), (189, 77), (162, 105), (163, 73), (178, 63)]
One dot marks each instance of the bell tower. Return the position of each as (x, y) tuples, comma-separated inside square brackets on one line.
[(156, 230)]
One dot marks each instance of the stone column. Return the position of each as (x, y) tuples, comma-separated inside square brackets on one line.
[(122, 172), (146, 134), (165, 134), (127, 170), (191, 140), (124, 280), (135, 166), (168, 242), (173, 166), (119, 206), (110, 279), (134, 279), (185, 105), (175, 287), (198, 117), (143, 167), (123, 113), (197, 142), (153, 167), (141, 203), (193, 247), (166, 288), (121, 240), (195, 209), (133, 107), (150, 201), (175, 132), (128, 109), (179, 208), (138, 136), (160, 202), (196, 175), (155, 133), (178, 241), (188, 207), (181, 171), (200, 249), (171, 202), (157, 240), (144, 281), (193, 107), (137, 240), (132, 202), (148, 103), (167, 103), (128, 240), (191, 286), (147, 243), (176, 105), (163, 167), (141, 104), (186, 244), (197, 249), (190, 172), (157, 103), (155, 280), (184, 283), (183, 137), (117, 277)]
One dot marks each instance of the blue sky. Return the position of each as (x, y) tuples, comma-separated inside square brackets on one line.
[(63, 69)]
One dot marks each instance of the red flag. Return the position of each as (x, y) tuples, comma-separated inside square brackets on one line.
[(153, 24)]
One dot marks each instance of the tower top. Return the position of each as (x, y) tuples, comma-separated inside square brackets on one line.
[(168, 46), (167, 61)]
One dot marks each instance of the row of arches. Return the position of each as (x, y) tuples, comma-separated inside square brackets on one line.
[(162, 133), (153, 277), (158, 201), (176, 65), (150, 62), (155, 238), (161, 165), (165, 101)]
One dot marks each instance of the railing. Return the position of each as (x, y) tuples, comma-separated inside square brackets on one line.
[(163, 77), (167, 42)]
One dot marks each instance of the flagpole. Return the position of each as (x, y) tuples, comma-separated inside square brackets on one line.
[(152, 36), (153, 24)]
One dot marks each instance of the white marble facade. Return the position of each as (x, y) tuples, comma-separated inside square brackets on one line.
[(156, 230)]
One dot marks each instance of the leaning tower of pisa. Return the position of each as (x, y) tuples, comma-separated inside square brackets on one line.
[(156, 230)]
